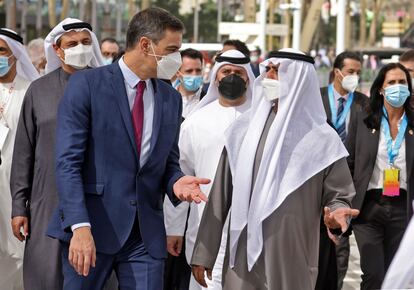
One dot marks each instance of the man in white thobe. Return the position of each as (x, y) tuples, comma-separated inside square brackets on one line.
[(16, 73), (201, 144)]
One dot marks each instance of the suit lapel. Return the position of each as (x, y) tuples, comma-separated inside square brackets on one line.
[(325, 100), (119, 91), (371, 146)]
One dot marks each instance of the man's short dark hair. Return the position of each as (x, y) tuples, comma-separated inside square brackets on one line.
[(340, 58), (239, 45), (110, 40), (152, 23), (258, 50), (192, 53), (407, 56)]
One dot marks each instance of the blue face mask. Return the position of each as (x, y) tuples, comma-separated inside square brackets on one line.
[(192, 83), (108, 60), (176, 83), (4, 65), (396, 95)]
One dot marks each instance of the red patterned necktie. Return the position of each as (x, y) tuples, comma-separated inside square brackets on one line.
[(138, 115)]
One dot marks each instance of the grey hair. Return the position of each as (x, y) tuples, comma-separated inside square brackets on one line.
[(36, 49), (151, 23)]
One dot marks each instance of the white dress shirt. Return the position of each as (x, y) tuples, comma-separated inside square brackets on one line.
[(131, 81), (382, 163), (190, 102)]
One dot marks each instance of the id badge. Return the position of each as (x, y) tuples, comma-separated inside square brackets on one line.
[(391, 182), (4, 131)]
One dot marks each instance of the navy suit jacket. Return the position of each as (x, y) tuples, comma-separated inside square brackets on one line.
[(98, 175)]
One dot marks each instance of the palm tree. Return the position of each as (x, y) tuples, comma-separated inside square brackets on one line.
[(363, 24), (39, 23), (145, 4), (132, 8), (11, 14), (65, 9), (52, 13), (372, 38)]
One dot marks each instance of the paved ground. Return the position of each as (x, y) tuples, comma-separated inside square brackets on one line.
[(353, 276)]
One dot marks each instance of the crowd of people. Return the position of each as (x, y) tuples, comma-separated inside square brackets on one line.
[(133, 169)]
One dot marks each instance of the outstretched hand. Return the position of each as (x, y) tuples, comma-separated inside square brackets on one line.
[(338, 218), (187, 188)]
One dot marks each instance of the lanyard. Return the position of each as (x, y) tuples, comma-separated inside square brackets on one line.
[(392, 151), (338, 123)]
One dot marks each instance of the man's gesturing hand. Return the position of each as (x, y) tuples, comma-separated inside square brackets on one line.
[(82, 252), (198, 273), (187, 188), (338, 218)]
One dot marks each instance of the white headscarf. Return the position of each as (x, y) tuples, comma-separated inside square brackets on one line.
[(300, 143), (212, 92), (53, 61), (25, 68)]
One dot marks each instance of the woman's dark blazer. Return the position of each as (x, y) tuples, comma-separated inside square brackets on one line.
[(362, 145)]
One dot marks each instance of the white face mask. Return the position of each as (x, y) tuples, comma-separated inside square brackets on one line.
[(349, 82), (254, 58), (79, 56), (271, 89), (169, 64)]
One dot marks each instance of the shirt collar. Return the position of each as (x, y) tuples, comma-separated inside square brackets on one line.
[(194, 97), (130, 77), (338, 95)]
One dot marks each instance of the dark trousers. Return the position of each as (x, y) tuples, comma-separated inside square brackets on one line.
[(342, 258), (177, 271), (327, 266), (134, 268), (378, 232)]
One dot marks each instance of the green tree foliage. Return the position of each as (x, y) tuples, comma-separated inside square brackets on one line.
[(207, 22), (207, 19), (172, 6)]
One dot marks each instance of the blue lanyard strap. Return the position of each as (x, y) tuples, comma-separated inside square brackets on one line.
[(392, 151), (334, 111)]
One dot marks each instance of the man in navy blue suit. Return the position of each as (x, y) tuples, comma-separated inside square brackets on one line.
[(117, 156)]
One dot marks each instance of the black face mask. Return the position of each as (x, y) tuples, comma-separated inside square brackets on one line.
[(232, 87)]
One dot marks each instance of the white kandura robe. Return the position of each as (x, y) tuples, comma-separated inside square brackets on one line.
[(11, 249), (201, 144)]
